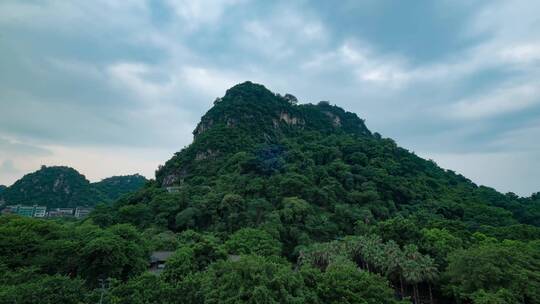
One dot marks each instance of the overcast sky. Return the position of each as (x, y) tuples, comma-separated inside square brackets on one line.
[(116, 87)]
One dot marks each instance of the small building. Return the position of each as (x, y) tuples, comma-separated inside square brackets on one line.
[(61, 212), (10, 209), (25, 211), (28, 211), (54, 213), (158, 260), (40, 211), (82, 212), (65, 211), (173, 189)]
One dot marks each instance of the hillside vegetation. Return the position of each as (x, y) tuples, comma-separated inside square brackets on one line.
[(278, 202)]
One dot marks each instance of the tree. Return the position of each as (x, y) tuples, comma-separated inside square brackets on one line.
[(117, 252), (429, 273), (181, 264), (206, 248), (231, 209), (491, 267), (146, 288), (138, 214), (187, 218), (501, 296), (252, 279), (439, 243), (411, 267), (393, 259), (102, 215), (342, 282), (253, 241), (402, 230), (42, 289)]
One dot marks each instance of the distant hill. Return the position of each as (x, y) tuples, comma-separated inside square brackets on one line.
[(2, 188), (116, 186), (60, 186)]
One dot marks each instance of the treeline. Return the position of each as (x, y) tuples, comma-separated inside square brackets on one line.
[(47, 262)]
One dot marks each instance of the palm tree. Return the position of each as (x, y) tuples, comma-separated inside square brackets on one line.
[(412, 271), (370, 250), (430, 273), (390, 264)]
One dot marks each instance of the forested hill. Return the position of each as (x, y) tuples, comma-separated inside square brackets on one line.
[(2, 188), (116, 186), (260, 145), (60, 186), (280, 202)]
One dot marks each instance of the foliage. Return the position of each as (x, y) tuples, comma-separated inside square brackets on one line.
[(496, 269), (342, 282), (253, 241), (27, 287), (116, 186), (252, 279)]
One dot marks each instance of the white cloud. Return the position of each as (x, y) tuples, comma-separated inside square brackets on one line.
[(13, 147), (72, 17), (281, 34), (498, 102), (522, 53), (7, 168), (208, 82), (201, 12), (365, 63), (137, 78)]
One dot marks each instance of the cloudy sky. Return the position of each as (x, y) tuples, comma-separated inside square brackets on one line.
[(117, 86)]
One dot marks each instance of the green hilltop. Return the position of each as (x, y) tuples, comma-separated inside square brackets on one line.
[(60, 186)]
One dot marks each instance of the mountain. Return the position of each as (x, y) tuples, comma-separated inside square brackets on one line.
[(2, 188), (257, 146), (60, 186), (116, 186)]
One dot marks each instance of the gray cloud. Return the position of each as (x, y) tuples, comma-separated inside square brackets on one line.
[(8, 167), (8, 147), (442, 78)]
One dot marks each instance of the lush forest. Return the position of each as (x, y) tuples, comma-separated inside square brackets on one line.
[(279, 202), (60, 186)]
